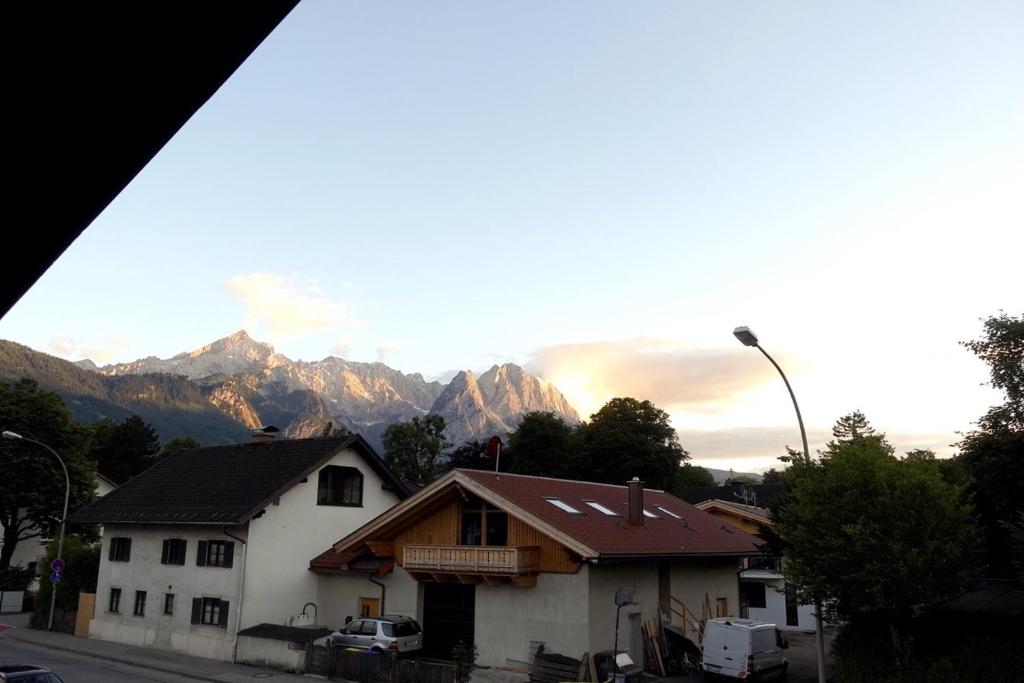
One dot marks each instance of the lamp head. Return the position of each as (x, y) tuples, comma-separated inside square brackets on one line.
[(745, 335), (11, 435)]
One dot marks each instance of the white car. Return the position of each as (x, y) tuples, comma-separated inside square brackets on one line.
[(744, 649)]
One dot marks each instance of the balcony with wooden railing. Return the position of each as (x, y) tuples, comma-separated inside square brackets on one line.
[(473, 564)]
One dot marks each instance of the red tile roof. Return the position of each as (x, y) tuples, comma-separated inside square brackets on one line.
[(694, 532), (687, 531)]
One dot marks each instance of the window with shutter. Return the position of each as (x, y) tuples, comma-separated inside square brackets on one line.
[(197, 610), (201, 554), (216, 554)]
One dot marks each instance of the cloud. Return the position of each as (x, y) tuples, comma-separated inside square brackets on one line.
[(105, 351), (385, 350), (287, 309), (341, 348), (759, 447), (662, 371)]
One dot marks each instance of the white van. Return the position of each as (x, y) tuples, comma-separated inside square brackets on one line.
[(745, 649)]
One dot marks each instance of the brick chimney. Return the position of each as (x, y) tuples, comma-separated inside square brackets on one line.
[(636, 501), (261, 434)]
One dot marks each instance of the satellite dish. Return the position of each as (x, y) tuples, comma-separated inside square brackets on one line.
[(493, 449)]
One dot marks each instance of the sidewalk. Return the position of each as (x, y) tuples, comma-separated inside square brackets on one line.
[(149, 658)]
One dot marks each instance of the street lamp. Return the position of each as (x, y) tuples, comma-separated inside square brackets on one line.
[(64, 517), (748, 338)]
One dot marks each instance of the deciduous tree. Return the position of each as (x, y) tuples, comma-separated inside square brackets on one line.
[(881, 538), (413, 449), (31, 480)]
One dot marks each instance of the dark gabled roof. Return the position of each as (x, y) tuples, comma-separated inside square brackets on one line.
[(756, 494), (224, 485)]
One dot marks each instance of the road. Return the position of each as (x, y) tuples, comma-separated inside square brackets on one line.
[(75, 668)]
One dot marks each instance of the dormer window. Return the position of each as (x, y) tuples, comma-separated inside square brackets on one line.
[(340, 486)]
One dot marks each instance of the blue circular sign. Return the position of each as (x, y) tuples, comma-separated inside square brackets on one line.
[(56, 577)]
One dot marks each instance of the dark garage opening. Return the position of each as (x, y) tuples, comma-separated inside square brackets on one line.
[(447, 617)]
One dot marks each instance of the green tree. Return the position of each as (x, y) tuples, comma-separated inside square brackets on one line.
[(413, 449), (773, 476), (472, 455), (882, 539), (331, 429), (628, 438), (81, 569), (179, 444), (992, 456), (31, 480), (690, 476), (122, 450), (544, 445)]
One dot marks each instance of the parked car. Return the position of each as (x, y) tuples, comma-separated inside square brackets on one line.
[(744, 649), (22, 673), (378, 634)]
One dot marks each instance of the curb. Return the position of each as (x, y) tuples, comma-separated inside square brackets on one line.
[(110, 658)]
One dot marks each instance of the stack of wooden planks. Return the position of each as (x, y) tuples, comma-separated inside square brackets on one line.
[(654, 645)]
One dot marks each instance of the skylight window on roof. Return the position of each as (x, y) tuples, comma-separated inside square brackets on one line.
[(601, 508), (562, 505), (667, 512), (648, 513)]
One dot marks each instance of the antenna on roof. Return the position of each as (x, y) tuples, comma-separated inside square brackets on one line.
[(494, 450)]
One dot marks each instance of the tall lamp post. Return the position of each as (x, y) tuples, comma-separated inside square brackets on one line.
[(64, 517), (748, 338)]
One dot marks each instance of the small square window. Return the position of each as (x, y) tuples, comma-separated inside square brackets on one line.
[(120, 549), (173, 551), (168, 603), (340, 486)]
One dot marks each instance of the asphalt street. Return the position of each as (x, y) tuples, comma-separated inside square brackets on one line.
[(75, 668)]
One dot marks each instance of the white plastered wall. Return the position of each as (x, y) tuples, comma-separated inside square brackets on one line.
[(288, 535), (144, 572)]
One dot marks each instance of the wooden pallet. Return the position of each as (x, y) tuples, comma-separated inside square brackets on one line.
[(553, 668)]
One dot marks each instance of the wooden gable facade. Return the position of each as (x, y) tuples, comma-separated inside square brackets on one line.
[(460, 537)]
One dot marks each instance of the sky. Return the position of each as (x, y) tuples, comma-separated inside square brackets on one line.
[(601, 192)]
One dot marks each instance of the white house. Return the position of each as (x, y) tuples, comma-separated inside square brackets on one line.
[(213, 540), (511, 561), (764, 593)]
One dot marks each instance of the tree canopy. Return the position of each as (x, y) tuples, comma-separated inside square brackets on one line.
[(876, 535), (993, 454), (628, 438), (413, 449), (32, 499), (543, 444), (122, 450)]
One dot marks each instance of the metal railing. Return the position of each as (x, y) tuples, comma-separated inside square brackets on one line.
[(472, 559), (339, 663)]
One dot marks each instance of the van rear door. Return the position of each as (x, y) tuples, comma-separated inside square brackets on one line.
[(737, 640)]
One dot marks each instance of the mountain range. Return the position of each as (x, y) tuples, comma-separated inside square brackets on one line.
[(219, 390)]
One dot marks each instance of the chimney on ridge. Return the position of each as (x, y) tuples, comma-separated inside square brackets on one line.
[(261, 434), (636, 501)]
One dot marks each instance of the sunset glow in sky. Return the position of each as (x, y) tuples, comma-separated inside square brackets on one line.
[(601, 192)]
